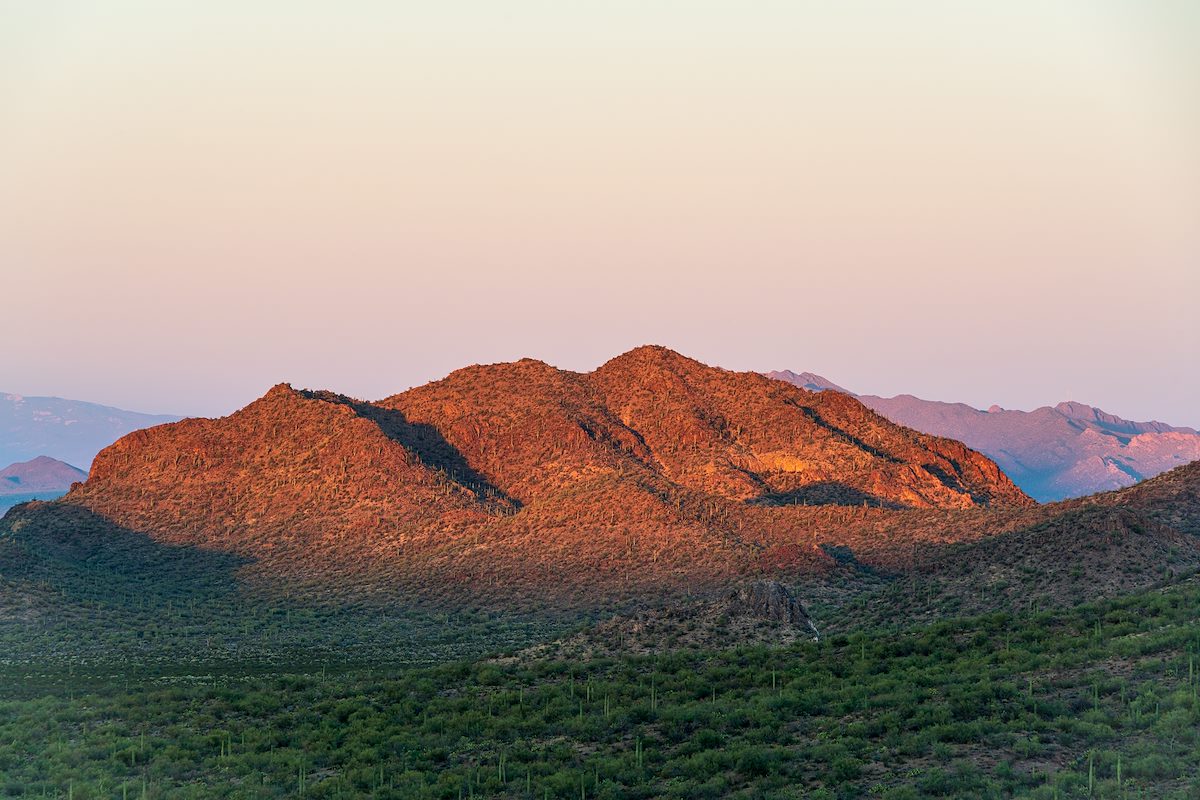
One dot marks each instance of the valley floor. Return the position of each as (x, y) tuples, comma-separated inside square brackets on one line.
[(1097, 701)]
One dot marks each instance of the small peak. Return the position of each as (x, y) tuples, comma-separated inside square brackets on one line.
[(651, 354), (994, 409), (1075, 410), (285, 391), (533, 362), (521, 367), (652, 351)]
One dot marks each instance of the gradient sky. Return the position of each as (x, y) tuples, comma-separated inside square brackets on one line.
[(978, 201)]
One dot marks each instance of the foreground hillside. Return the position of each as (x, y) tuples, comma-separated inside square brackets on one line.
[(1101, 546), (1052, 453), (653, 472), (132, 666)]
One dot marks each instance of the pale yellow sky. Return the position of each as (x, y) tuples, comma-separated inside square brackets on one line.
[(994, 203)]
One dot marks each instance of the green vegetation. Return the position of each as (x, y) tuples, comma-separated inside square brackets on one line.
[(1098, 701)]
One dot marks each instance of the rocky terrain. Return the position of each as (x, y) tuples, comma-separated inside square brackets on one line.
[(1052, 453)]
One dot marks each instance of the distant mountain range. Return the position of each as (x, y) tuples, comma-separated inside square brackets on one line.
[(68, 430), (1052, 453)]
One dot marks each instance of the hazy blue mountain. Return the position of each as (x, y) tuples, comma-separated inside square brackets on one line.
[(40, 474), (68, 430), (1068, 450), (42, 478)]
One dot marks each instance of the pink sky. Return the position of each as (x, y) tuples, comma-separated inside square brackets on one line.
[(992, 203)]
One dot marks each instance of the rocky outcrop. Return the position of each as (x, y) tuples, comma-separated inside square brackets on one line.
[(769, 600)]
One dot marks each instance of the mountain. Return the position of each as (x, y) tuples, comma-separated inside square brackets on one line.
[(68, 430), (592, 537), (42, 478), (681, 425), (522, 485), (42, 474), (806, 380), (1052, 453), (652, 471)]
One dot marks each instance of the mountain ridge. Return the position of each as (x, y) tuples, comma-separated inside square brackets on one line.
[(652, 471)]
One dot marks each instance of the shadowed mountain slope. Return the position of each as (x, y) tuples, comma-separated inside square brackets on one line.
[(1062, 554)]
